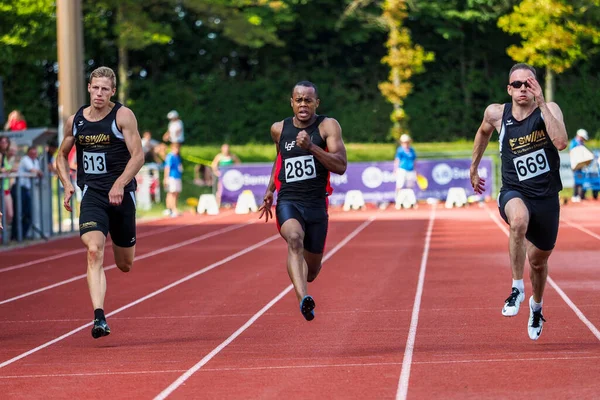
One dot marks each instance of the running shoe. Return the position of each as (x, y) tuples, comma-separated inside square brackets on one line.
[(307, 305), (536, 322), (100, 328), (512, 303)]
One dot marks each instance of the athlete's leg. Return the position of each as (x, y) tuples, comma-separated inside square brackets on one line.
[(124, 257), (293, 233), (313, 263), (518, 219), (94, 242), (538, 270)]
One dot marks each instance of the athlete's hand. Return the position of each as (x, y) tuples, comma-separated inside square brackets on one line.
[(115, 196), (265, 208), (536, 90), (477, 182), (303, 140), (69, 190)]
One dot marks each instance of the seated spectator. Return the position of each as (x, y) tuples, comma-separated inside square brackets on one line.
[(202, 175), (149, 147), (15, 122)]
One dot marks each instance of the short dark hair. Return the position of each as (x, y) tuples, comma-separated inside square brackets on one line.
[(522, 66), (306, 84)]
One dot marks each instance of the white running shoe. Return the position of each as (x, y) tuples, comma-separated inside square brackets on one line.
[(513, 302), (536, 322)]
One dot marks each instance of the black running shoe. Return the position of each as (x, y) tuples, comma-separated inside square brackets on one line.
[(100, 328), (307, 305)]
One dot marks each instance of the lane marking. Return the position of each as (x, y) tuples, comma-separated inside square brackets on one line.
[(554, 285), (414, 321), (148, 296), (179, 381), (140, 257), (83, 250)]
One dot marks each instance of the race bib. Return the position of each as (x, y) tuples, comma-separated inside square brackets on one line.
[(300, 168), (531, 165), (94, 163)]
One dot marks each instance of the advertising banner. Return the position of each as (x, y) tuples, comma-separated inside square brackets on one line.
[(376, 180)]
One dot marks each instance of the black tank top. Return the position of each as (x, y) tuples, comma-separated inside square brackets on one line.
[(101, 151), (530, 162), (299, 176)]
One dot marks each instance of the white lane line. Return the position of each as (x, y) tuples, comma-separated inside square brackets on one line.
[(83, 250), (414, 321), (141, 299), (173, 386), (581, 228), (554, 285), (141, 257)]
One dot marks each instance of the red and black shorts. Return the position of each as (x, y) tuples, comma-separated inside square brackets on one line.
[(314, 221), (97, 214)]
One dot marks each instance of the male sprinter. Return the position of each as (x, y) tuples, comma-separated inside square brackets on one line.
[(309, 146), (109, 155)]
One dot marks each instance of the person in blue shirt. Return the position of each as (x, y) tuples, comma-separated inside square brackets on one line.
[(579, 140), (172, 179), (404, 164)]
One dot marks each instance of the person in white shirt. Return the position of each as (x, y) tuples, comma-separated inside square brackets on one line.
[(174, 133), (29, 165)]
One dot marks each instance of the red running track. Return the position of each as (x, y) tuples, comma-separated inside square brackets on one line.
[(408, 306)]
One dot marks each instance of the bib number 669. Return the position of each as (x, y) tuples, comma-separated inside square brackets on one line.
[(531, 165)]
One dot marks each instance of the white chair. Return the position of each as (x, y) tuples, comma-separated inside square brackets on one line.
[(354, 200), (406, 198), (457, 197), (208, 203), (246, 203)]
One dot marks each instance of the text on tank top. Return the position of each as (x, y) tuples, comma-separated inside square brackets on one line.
[(299, 175), (102, 153), (530, 161)]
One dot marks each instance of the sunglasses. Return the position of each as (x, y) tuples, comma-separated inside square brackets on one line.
[(518, 84)]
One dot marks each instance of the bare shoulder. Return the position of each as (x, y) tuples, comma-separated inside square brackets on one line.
[(493, 113), (276, 130), (125, 114), (331, 126), (554, 107), (69, 125)]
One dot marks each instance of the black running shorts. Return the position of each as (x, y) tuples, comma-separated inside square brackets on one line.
[(544, 215), (97, 214), (314, 221)]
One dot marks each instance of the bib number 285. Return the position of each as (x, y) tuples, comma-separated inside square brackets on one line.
[(94, 163), (300, 168), (531, 165)]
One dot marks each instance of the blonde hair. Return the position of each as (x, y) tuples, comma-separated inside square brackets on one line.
[(104, 72)]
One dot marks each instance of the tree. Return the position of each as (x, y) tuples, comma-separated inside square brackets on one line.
[(403, 58), (554, 33)]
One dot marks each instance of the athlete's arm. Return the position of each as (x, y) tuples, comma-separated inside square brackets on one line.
[(127, 122), (265, 208), (553, 117), (334, 159), (62, 163), (491, 120)]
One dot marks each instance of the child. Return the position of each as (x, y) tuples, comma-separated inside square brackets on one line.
[(172, 179)]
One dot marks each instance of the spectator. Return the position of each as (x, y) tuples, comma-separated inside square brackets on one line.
[(174, 133), (51, 148), (15, 122), (223, 159), (203, 175), (579, 140), (7, 165), (149, 147), (172, 179), (29, 165), (404, 164)]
